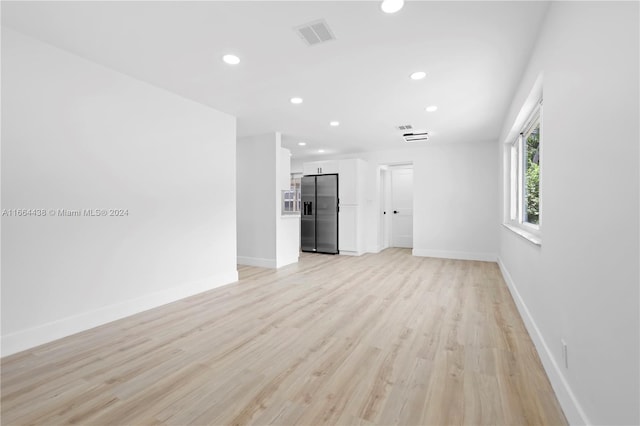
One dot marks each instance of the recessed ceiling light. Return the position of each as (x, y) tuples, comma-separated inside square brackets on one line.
[(302, 143), (231, 59), (418, 75), (321, 151), (296, 100), (334, 124), (391, 6), (431, 108)]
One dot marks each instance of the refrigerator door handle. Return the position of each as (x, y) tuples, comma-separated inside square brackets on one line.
[(308, 208)]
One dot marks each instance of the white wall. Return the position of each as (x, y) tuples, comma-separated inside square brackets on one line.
[(76, 135), (287, 226), (265, 238), (581, 285), (256, 213), (296, 165), (455, 198), (288, 240)]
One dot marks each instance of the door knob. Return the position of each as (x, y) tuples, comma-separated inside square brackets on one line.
[(395, 212)]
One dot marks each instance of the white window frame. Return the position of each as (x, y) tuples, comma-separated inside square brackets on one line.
[(515, 189)]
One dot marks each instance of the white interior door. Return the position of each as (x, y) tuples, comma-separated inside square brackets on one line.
[(402, 207)]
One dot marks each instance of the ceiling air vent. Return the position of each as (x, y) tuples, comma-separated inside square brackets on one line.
[(315, 32), (415, 137), (405, 127)]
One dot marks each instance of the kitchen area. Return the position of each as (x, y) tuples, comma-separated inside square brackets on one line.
[(318, 207), (332, 206)]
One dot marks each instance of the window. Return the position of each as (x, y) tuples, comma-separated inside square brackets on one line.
[(291, 197), (524, 175)]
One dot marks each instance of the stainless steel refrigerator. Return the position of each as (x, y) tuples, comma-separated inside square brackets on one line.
[(319, 220)]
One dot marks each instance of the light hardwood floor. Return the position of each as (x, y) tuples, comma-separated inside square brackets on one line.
[(377, 339)]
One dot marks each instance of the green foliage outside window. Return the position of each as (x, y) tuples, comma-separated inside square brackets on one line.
[(532, 175)]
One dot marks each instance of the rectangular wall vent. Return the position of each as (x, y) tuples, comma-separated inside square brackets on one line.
[(315, 32), (415, 137), (405, 127)]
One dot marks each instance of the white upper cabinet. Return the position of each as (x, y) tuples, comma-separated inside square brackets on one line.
[(320, 168)]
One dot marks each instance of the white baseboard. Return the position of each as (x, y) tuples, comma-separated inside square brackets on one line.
[(350, 253), (286, 262), (31, 337), (374, 249), (572, 409), (459, 255), (257, 261)]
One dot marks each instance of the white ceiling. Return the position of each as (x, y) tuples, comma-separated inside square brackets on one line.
[(473, 53)]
